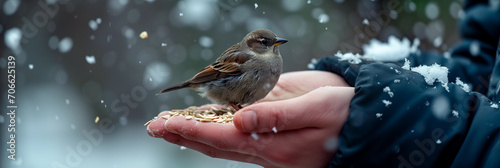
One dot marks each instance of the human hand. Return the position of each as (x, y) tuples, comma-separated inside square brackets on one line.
[(303, 139)]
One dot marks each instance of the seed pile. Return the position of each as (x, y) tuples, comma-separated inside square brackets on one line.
[(224, 115)]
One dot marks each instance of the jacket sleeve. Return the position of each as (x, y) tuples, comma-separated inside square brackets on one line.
[(397, 119), (472, 60)]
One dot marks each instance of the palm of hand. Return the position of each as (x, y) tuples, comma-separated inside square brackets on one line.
[(307, 121)]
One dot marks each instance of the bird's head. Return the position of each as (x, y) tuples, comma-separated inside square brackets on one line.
[(263, 41)]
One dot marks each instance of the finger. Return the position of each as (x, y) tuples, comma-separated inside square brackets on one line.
[(220, 136), (236, 148), (293, 84), (156, 127), (308, 110), (276, 149), (213, 152)]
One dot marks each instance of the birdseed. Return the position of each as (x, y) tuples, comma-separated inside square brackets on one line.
[(144, 35), (215, 115)]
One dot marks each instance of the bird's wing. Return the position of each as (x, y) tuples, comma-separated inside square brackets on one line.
[(226, 65)]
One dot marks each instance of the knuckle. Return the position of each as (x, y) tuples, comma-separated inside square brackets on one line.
[(278, 118)]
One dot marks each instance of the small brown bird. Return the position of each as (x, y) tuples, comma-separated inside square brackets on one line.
[(243, 74)]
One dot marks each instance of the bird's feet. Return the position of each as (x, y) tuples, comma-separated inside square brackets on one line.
[(236, 107)]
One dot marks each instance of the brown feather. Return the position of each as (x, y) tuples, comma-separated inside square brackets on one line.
[(227, 65), (217, 70), (176, 87)]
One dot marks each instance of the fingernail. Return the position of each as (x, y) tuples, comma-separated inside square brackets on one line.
[(151, 133), (249, 120)]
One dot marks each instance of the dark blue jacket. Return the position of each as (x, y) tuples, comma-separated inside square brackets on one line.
[(426, 125)]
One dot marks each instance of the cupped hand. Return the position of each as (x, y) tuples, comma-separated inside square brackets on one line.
[(296, 125)]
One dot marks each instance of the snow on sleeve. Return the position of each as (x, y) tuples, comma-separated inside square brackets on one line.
[(350, 57), (494, 105), (388, 90), (406, 65), (393, 50), (432, 73), (462, 85), (387, 103)]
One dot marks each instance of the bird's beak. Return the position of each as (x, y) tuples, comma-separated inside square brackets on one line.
[(280, 41)]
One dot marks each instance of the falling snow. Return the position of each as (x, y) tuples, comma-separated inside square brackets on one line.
[(438, 41), (474, 48), (275, 130), (12, 38), (454, 113), (312, 64), (30, 66), (323, 18), (254, 135), (432, 10), (331, 144), (90, 59), (65, 45), (10, 6), (366, 22), (441, 107), (93, 24), (206, 41)]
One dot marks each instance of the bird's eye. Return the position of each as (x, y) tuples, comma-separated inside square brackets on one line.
[(265, 42)]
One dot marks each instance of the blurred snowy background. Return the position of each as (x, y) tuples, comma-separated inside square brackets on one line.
[(76, 60)]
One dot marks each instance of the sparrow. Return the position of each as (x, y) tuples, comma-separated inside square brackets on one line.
[(243, 74)]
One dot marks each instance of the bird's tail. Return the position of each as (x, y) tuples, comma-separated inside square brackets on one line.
[(176, 87)]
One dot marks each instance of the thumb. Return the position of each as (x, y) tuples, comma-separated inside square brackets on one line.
[(317, 109)]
